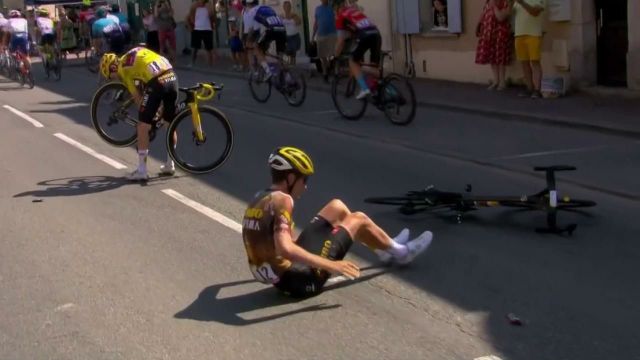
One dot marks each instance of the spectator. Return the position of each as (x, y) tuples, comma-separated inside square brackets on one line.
[(166, 29), (324, 32), (528, 32), (115, 11), (201, 21), (151, 30), (66, 35), (235, 44), (291, 22), (494, 40)]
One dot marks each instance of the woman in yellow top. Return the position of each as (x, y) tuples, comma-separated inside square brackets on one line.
[(160, 88)]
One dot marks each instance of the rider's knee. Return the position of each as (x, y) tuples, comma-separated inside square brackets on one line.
[(359, 217)]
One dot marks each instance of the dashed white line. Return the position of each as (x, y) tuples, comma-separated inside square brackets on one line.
[(210, 213), (33, 121), (90, 151)]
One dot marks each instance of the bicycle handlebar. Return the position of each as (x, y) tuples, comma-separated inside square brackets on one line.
[(208, 90)]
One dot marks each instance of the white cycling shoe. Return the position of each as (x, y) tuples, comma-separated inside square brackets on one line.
[(168, 169), (137, 175), (401, 239), (416, 247)]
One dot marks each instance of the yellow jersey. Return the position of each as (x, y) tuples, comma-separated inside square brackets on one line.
[(141, 64)]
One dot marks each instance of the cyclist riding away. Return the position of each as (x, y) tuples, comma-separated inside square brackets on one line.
[(264, 26), (45, 30), (353, 23), (107, 29), (160, 84), (300, 267), (18, 28)]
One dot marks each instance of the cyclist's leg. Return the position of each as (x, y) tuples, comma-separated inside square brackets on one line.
[(151, 100), (169, 83)]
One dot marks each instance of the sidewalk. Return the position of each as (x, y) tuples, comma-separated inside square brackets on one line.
[(602, 112)]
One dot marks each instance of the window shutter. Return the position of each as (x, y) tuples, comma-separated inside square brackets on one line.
[(454, 15), (407, 16)]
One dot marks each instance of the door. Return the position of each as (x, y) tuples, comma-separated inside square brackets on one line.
[(612, 42)]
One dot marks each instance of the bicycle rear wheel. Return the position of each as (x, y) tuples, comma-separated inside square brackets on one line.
[(260, 89), (57, 67), (294, 88), (192, 155), (343, 93), (398, 99), (111, 109)]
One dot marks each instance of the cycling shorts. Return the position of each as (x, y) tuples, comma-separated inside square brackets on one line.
[(162, 89), (320, 237)]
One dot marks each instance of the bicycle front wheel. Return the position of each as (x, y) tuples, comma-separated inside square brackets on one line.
[(398, 99), (193, 155), (113, 114), (260, 89), (295, 88), (343, 93)]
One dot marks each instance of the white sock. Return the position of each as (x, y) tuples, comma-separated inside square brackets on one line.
[(397, 250), (142, 160)]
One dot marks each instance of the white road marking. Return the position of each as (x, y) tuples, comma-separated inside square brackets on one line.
[(490, 357), (33, 121), (90, 151), (64, 307), (210, 213), (545, 153)]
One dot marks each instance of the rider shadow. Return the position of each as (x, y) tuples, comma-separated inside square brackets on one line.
[(83, 186), (209, 307)]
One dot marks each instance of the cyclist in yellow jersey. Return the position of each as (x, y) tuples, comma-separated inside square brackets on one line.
[(160, 84), (300, 267)]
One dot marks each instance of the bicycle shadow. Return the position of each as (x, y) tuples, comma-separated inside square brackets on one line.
[(86, 185), (209, 306)]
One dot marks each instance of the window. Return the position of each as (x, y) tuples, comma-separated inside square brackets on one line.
[(441, 16)]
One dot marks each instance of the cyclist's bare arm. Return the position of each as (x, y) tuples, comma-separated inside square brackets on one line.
[(287, 248), (342, 38)]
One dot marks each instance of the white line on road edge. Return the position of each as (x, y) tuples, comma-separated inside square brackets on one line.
[(214, 215), (90, 151), (33, 121), (490, 357)]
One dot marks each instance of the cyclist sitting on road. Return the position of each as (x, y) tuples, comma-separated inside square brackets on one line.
[(300, 267), (351, 22), (107, 29), (160, 88), (19, 30), (264, 26), (45, 29)]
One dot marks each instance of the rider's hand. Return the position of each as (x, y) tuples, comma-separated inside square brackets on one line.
[(346, 268)]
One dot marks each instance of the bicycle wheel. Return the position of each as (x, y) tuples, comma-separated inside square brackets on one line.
[(343, 93), (111, 116), (391, 200), (398, 99), (568, 203), (93, 61), (57, 67), (295, 87), (31, 83), (260, 89), (192, 155)]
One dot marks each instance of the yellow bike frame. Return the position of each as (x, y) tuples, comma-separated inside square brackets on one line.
[(207, 93)]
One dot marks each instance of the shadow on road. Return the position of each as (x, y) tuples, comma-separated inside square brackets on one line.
[(209, 307)]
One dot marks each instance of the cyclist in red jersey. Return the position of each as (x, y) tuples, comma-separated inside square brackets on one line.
[(353, 23)]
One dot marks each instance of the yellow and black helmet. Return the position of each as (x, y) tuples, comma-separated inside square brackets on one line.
[(288, 158)]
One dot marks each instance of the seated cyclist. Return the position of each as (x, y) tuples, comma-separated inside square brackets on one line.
[(45, 29), (160, 84), (106, 29), (263, 26), (300, 267), (353, 23), (18, 29)]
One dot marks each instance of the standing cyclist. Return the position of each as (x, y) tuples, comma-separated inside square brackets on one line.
[(160, 88), (263, 26), (353, 23), (106, 29), (45, 29), (300, 267)]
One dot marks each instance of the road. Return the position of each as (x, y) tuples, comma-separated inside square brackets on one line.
[(92, 266)]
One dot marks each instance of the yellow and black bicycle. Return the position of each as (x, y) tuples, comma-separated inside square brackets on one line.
[(199, 138)]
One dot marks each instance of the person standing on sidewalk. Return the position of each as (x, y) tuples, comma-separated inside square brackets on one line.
[(201, 21), (166, 29), (528, 32), (291, 22), (494, 40), (325, 34)]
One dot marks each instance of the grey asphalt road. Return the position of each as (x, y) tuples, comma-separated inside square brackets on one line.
[(100, 268)]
